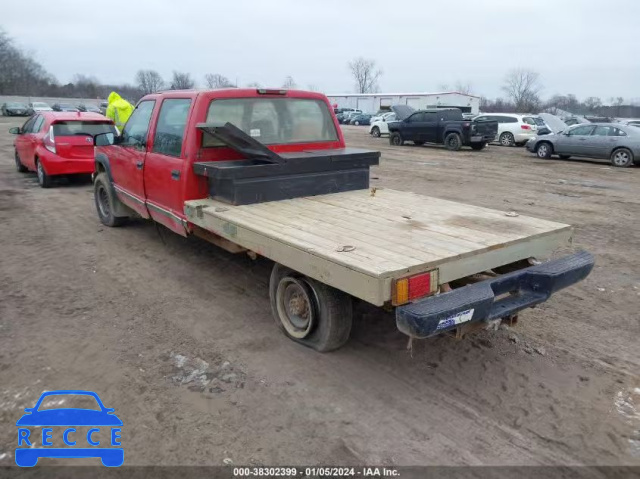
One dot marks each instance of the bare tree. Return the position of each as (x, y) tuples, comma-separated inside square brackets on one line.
[(254, 84), (182, 81), (149, 81), (365, 74), (592, 104), (522, 87), (215, 80), (463, 87), (289, 83)]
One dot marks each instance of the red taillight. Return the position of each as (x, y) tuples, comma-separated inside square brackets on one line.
[(525, 127), (50, 141), (419, 285), (408, 289)]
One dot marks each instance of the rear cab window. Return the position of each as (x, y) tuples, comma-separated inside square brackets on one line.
[(273, 121)]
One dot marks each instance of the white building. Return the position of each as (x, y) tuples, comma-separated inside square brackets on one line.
[(373, 102)]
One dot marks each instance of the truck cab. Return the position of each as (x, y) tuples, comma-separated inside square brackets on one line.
[(150, 165)]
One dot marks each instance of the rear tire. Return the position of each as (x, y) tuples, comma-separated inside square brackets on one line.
[(309, 312), (507, 139), (622, 158), (19, 166), (395, 139), (453, 142), (478, 146), (44, 180), (375, 132), (544, 150), (105, 201), (357, 123)]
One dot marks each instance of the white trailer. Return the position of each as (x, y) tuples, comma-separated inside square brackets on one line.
[(374, 102)]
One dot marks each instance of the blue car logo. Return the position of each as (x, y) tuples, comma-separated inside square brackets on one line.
[(29, 451)]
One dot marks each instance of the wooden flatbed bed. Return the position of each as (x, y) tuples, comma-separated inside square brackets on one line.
[(360, 241)]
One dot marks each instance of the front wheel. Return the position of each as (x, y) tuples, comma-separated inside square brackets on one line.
[(622, 158), (395, 139), (375, 132), (105, 202), (309, 312), (357, 123), (19, 166), (478, 146), (453, 142)]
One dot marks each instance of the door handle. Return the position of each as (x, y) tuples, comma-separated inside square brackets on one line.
[(139, 165), (175, 174)]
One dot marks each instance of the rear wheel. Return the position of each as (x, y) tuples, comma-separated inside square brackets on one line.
[(375, 132), (309, 312), (19, 166), (544, 150), (357, 123), (622, 157), (395, 139), (105, 201), (44, 180), (507, 139), (453, 142), (478, 146)]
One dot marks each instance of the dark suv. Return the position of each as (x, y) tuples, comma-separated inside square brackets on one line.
[(442, 125)]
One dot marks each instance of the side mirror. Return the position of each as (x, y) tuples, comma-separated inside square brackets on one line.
[(105, 139), (15, 130)]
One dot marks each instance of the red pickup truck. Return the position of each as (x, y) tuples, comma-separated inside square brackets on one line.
[(267, 172)]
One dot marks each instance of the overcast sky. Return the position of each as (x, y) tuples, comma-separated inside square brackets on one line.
[(585, 47)]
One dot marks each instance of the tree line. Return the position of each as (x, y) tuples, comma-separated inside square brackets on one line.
[(22, 75)]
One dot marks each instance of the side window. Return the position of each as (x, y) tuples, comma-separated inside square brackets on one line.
[(510, 119), (172, 121), (26, 128), (430, 116), (136, 129), (416, 117), (37, 126), (581, 131), (604, 131)]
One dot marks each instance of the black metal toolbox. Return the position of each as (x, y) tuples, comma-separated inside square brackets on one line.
[(268, 176)]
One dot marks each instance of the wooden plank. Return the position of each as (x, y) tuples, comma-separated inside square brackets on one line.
[(305, 234)]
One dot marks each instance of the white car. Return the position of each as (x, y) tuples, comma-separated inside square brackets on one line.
[(38, 106), (514, 129), (379, 125)]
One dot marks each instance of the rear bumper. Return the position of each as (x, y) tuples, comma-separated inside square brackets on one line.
[(523, 137), (477, 302), (56, 165)]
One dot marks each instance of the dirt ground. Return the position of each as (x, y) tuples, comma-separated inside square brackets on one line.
[(177, 335)]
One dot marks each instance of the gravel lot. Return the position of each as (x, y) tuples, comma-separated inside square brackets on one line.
[(177, 335)]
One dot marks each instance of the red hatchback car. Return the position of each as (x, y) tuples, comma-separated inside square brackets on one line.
[(58, 143)]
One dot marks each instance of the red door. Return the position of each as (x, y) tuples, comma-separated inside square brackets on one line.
[(31, 142), (127, 158), (24, 142), (164, 165)]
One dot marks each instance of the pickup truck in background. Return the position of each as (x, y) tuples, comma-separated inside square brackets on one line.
[(267, 173), (441, 126)]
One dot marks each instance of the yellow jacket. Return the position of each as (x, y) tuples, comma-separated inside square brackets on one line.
[(119, 110)]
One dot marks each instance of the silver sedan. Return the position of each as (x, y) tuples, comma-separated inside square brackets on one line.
[(616, 142)]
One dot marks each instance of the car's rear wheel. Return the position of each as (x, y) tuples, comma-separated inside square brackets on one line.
[(396, 139), (453, 142), (507, 139), (375, 132), (19, 166), (105, 202), (622, 158), (309, 312), (44, 180), (544, 150)]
